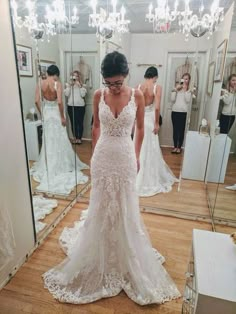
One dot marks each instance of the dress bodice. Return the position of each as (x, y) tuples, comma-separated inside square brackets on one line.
[(120, 126)]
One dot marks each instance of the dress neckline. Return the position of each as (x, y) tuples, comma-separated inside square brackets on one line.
[(123, 108)]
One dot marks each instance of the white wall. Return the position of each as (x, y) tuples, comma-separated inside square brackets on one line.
[(212, 103), (47, 51), (14, 185)]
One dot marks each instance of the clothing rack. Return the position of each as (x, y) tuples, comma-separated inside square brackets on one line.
[(149, 65)]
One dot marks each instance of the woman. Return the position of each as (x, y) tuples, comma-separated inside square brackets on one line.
[(181, 96), (75, 93), (154, 175), (227, 116), (56, 170), (111, 250)]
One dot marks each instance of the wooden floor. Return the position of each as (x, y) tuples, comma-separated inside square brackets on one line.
[(25, 293)]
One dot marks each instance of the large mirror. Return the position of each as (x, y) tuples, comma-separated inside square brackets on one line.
[(56, 87), (220, 66), (176, 177), (172, 180), (223, 204)]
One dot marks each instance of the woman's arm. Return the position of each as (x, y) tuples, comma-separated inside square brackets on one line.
[(157, 102), (60, 103), (67, 90), (37, 99), (139, 123), (83, 91), (227, 98), (96, 122)]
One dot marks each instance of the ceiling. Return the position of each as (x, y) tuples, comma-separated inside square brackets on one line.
[(136, 10)]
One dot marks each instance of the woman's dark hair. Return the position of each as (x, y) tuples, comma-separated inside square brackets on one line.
[(151, 72), (53, 70), (187, 74), (114, 63)]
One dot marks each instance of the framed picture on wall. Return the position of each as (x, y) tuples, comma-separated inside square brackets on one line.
[(24, 60), (41, 68), (211, 74), (220, 61)]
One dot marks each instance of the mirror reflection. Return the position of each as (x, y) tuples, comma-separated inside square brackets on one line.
[(52, 93), (176, 76), (224, 206)]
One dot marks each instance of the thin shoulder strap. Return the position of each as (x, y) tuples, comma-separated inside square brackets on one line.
[(139, 86), (154, 89), (132, 94), (102, 94)]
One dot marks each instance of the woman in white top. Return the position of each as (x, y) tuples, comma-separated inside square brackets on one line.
[(75, 93), (181, 96), (227, 116), (154, 175)]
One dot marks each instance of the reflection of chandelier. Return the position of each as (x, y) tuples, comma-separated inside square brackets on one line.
[(162, 16), (55, 20), (106, 22), (188, 22), (204, 23)]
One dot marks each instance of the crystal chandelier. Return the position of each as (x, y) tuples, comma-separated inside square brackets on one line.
[(162, 17), (53, 22), (188, 23), (107, 22), (204, 23)]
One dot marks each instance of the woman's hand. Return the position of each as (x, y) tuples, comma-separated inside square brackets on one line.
[(63, 121), (156, 128), (179, 87)]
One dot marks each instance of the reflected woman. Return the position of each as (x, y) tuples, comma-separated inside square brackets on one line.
[(227, 116), (75, 93), (56, 170), (111, 251), (154, 175), (181, 97)]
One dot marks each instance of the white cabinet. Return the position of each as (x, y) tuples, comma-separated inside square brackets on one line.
[(211, 276), (218, 158), (33, 132), (195, 156)]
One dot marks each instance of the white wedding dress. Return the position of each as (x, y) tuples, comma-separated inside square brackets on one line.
[(154, 175), (110, 251), (57, 170)]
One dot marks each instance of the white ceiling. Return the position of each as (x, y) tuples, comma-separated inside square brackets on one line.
[(136, 10)]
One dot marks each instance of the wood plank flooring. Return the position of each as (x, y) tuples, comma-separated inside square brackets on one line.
[(25, 293)]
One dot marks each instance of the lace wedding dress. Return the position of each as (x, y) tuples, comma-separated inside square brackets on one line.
[(42, 207), (7, 240), (56, 168), (110, 250), (154, 175)]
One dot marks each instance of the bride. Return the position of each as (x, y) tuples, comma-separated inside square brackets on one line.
[(55, 169), (154, 175), (110, 250)]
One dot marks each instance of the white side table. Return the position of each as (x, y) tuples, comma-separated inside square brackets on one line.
[(195, 156), (211, 277), (218, 158), (33, 130)]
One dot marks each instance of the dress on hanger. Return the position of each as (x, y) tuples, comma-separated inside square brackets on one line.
[(110, 250)]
